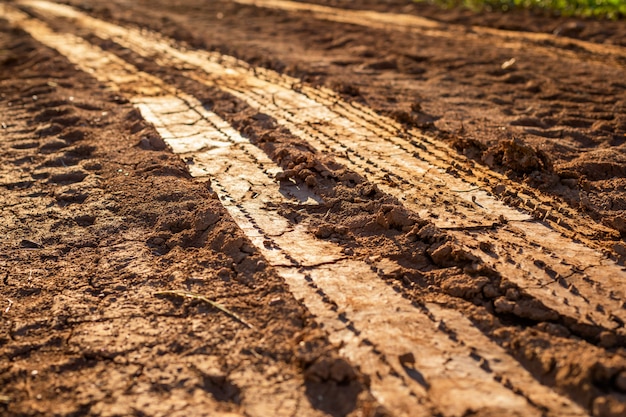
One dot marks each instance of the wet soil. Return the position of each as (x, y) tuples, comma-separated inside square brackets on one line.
[(107, 239)]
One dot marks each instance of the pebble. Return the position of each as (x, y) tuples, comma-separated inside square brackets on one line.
[(407, 359)]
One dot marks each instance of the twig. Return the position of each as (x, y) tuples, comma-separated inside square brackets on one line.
[(185, 294), (9, 306), (466, 191)]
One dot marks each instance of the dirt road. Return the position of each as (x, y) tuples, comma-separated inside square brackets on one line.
[(263, 207)]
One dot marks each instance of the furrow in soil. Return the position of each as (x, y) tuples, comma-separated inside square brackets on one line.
[(422, 359)]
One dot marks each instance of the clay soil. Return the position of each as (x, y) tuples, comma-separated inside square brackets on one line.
[(103, 229)]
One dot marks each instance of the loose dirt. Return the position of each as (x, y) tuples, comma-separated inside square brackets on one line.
[(282, 208)]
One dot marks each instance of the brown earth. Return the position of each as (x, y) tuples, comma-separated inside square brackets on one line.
[(108, 241), (569, 110)]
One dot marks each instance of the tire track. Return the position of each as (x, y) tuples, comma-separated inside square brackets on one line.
[(577, 282), (416, 366), (229, 71), (540, 271), (548, 43)]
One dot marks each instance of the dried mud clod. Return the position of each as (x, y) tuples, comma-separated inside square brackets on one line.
[(517, 157), (469, 147), (591, 377), (450, 254), (415, 117), (461, 275), (188, 223), (556, 350), (329, 377)]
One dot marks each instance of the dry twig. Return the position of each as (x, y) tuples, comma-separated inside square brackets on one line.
[(467, 191), (185, 294)]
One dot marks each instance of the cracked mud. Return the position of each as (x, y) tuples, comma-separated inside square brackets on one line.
[(199, 219)]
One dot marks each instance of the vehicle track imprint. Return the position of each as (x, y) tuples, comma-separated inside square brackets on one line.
[(422, 359), (547, 250), (396, 21)]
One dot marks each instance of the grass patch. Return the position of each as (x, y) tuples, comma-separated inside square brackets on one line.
[(611, 9)]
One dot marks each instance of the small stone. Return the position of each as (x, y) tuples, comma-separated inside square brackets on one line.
[(133, 114), (407, 359), (428, 232), (382, 220), (397, 217)]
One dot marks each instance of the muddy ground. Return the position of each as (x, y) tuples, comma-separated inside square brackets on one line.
[(104, 229)]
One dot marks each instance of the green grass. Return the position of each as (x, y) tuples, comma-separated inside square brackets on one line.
[(612, 9)]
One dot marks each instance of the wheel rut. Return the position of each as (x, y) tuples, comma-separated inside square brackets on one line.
[(548, 43), (534, 242), (422, 358)]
